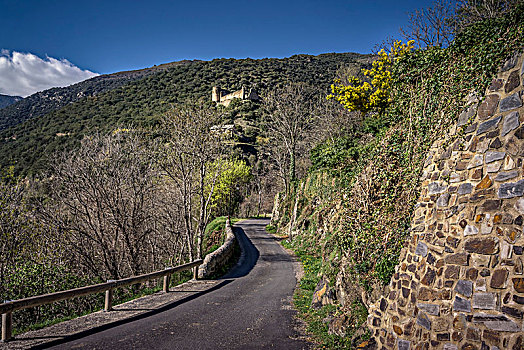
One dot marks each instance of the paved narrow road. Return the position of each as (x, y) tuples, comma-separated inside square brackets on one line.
[(249, 309)]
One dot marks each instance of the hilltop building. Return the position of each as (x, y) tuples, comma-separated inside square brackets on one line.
[(224, 97)]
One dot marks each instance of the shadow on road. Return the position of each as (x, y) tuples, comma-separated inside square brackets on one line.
[(248, 257), (127, 320)]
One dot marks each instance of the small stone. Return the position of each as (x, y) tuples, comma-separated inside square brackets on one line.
[(449, 346), (518, 300), (461, 166), (486, 228), (504, 176), (519, 268), (476, 161), (443, 200), (517, 250), (496, 322), (485, 272), (432, 309), (515, 313), (487, 246), (510, 62), (506, 250), (452, 272), (511, 122), (489, 125), (454, 177), (519, 133), (519, 205), (509, 163), (435, 187), (495, 144), (404, 344), (428, 278), (472, 273), (498, 280), (518, 284), (421, 249), (466, 115), (470, 230), (510, 102), (484, 301), (513, 82), (487, 108), (473, 334), (465, 188), (397, 330), (484, 184), (461, 304), (426, 294), (510, 190), (458, 259), (491, 337), (492, 156), (496, 84), (464, 288), (494, 167), (423, 320)]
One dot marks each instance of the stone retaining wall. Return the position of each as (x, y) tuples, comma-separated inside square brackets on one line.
[(460, 283), (216, 260)]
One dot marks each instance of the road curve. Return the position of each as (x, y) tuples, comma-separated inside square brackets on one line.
[(249, 309)]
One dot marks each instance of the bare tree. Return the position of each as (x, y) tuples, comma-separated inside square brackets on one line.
[(194, 142), (471, 11), (291, 114), (104, 201), (19, 233), (432, 26)]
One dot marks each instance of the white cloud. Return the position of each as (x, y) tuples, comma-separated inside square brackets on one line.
[(22, 74)]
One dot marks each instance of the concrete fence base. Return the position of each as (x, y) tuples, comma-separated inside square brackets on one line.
[(216, 260)]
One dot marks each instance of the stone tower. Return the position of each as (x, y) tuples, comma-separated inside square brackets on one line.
[(215, 94)]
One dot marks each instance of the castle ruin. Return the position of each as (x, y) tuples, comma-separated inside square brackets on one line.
[(224, 97)]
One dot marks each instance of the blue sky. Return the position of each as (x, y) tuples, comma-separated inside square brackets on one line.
[(115, 35)]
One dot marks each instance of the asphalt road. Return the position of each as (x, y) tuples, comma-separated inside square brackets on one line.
[(249, 309)]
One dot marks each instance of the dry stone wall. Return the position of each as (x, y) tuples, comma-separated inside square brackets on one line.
[(460, 282)]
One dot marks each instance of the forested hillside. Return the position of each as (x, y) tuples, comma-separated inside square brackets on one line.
[(142, 102), (52, 99)]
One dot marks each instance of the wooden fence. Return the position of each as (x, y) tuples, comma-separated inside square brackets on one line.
[(7, 308)]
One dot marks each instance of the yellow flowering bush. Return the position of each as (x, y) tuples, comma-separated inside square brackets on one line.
[(365, 96)]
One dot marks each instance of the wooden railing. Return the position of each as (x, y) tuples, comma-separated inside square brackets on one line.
[(7, 308)]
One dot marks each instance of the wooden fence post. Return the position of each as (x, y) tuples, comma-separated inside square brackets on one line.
[(7, 326), (166, 282), (108, 305)]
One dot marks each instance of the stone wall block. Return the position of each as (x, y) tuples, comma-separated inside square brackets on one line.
[(462, 284)]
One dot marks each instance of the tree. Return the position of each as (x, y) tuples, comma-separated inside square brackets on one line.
[(194, 143), (432, 26), (373, 92), (104, 199), (291, 114)]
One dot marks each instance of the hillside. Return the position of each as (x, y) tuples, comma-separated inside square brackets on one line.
[(371, 201), (50, 100), (6, 100), (141, 102)]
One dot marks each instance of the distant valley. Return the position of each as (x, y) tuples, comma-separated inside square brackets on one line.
[(6, 100)]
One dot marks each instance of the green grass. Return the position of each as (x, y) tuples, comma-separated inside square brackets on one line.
[(317, 326)]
